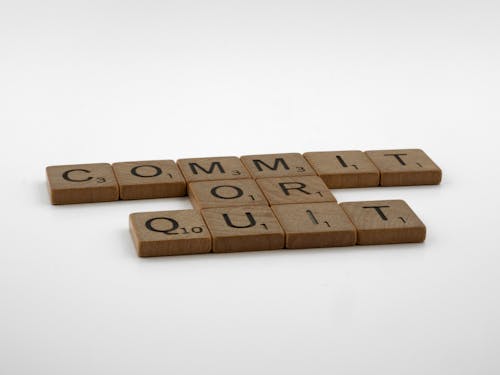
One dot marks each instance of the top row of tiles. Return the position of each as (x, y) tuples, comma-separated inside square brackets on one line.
[(338, 169)]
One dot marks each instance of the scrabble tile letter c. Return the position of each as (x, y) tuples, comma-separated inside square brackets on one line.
[(82, 183)]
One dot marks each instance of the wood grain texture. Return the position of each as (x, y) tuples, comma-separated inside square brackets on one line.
[(226, 193), (82, 183), (284, 190), (405, 167), (149, 179), (243, 229), (344, 169), (309, 225), (169, 233), (384, 222), (277, 165), (215, 168)]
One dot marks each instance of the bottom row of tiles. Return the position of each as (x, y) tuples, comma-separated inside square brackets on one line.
[(291, 226)]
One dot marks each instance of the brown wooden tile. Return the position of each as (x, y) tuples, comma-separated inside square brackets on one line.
[(284, 190), (149, 179), (209, 169), (169, 233), (344, 169), (405, 167), (277, 165), (243, 229), (82, 183), (226, 193), (384, 222), (315, 225)]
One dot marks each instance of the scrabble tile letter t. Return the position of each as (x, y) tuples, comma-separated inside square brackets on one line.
[(405, 167)]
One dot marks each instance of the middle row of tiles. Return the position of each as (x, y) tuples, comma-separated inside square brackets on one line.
[(265, 191)]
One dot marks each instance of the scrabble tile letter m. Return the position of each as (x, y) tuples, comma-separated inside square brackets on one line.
[(210, 169)]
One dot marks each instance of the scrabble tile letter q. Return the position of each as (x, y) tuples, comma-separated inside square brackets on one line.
[(169, 233)]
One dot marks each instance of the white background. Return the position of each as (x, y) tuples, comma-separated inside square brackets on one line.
[(106, 81)]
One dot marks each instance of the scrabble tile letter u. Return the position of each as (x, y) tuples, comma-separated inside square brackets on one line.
[(244, 228)]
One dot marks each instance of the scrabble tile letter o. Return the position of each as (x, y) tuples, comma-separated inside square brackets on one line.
[(226, 193), (149, 179)]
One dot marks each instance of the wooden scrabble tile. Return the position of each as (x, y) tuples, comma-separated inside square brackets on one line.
[(245, 228), (315, 225), (82, 183), (344, 169), (226, 193), (149, 179), (169, 233), (384, 222), (277, 165), (405, 167), (284, 190), (209, 169)]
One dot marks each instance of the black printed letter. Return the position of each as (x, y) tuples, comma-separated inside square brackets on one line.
[(259, 163), (174, 223), (156, 173), (398, 157), (215, 193), (214, 164), (251, 221), (301, 186), (67, 177), (378, 209)]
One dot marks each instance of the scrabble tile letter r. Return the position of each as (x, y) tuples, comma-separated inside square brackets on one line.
[(285, 190)]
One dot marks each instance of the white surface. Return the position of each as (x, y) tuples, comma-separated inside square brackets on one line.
[(114, 81)]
